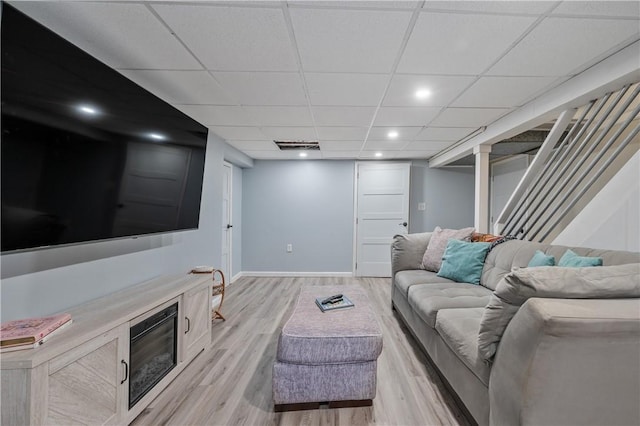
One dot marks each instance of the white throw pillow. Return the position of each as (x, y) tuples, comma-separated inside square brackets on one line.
[(432, 258)]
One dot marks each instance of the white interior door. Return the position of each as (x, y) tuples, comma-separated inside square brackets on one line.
[(382, 211), (227, 226)]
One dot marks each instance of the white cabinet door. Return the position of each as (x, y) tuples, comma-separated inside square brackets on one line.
[(382, 212), (197, 321), (88, 384)]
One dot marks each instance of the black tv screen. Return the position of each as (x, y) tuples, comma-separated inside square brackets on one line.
[(86, 153)]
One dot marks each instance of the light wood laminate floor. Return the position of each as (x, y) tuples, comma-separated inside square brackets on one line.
[(230, 384)]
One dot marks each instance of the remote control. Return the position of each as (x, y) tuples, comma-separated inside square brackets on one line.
[(332, 299)]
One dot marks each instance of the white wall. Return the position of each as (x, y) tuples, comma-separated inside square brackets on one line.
[(612, 219), (50, 280), (505, 176)]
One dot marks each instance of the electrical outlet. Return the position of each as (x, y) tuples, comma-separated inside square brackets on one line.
[(422, 206), (289, 248)]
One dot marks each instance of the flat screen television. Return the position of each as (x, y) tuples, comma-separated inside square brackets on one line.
[(86, 153)]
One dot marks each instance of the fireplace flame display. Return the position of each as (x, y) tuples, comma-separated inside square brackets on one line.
[(153, 349)]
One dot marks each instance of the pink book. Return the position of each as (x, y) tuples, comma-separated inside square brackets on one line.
[(30, 330)]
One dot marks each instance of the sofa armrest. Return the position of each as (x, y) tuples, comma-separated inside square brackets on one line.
[(568, 361), (407, 251)]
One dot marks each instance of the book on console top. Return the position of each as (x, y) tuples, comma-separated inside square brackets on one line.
[(23, 346), (30, 330), (343, 302)]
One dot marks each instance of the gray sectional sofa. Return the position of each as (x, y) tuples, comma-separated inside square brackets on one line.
[(560, 361)]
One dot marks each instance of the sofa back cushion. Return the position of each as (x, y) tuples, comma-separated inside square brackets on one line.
[(516, 253), (407, 251), (609, 282)]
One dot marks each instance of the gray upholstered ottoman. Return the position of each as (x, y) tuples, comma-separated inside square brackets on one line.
[(327, 356)]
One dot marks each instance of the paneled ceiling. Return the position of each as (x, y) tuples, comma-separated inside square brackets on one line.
[(345, 73)]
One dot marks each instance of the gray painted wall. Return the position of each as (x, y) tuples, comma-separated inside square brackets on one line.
[(308, 204), (448, 194), (47, 281)]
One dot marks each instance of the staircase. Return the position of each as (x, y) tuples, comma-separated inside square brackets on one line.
[(585, 148)]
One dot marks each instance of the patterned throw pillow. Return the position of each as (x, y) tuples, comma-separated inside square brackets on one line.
[(477, 237), (432, 258)]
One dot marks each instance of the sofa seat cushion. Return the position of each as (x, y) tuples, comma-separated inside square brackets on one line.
[(459, 330), (427, 300), (406, 279)]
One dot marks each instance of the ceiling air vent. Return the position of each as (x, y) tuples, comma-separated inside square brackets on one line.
[(298, 145)]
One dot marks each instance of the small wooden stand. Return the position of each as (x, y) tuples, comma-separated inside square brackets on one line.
[(218, 289)]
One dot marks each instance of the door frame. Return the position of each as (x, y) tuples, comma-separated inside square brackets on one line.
[(229, 231), (355, 205)]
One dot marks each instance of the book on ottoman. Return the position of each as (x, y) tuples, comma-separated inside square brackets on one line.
[(333, 302)]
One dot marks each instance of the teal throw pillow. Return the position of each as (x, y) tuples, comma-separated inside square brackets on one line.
[(572, 260), (463, 261), (541, 259)]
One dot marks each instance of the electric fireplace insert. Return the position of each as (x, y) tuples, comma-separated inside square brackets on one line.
[(153, 349)]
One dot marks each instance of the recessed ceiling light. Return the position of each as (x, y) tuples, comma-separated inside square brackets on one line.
[(378, 154), (423, 93), (392, 134), (157, 136), (303, 154), (87, 109)]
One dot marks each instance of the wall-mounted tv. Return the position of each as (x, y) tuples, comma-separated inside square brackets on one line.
[(86, 153)]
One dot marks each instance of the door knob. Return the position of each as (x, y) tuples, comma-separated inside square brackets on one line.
[(229, 226), (403, 224)]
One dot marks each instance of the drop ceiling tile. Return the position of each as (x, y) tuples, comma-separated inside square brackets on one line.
[(432, 146), (372, 155), (409, 116), (333, 40), (283, 155), (622, 9), (359, 4), (279, 115), (446, 43), (443, 89), (214, 115), (326, 133), (449, 134), (340, 145), (263, 88), (290, 133), (181, 87), (561, 46), (415, 155), (468, 117), (263, 145), (245, 133), (377, 145), (340, 155), (404, 133), (121, 35), (498, 7), (345, 89), (251, 39), (502, 91), (343, 115)]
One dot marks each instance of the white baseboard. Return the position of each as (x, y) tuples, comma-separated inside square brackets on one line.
[(291, 274), (235, 277)]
